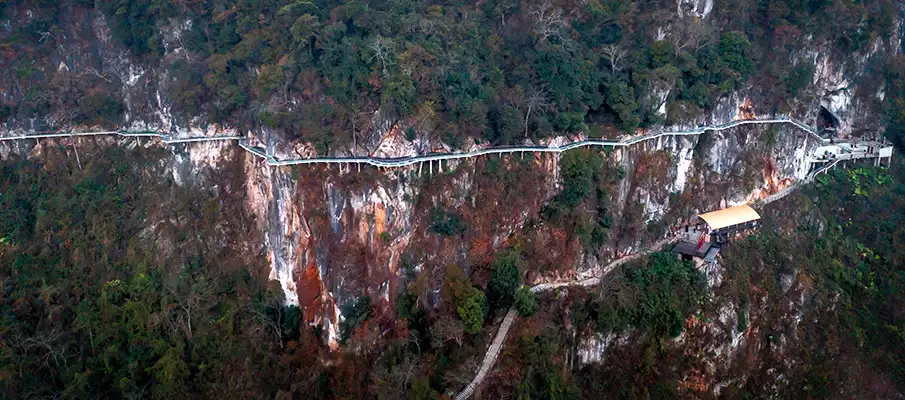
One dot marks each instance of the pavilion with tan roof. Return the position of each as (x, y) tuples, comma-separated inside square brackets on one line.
[(713, 230), (732, 218)]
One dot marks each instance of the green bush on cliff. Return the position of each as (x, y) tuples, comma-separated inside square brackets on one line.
[(526, 302), (504, 279), (353, 315), (654, 295), (446, 223), (472, 308)]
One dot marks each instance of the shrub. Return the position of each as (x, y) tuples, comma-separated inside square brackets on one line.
[(100, 109), (472, 308), (504, 279), (734, 48), (526, 302), (579, 170), (355, 314), (446, 223)]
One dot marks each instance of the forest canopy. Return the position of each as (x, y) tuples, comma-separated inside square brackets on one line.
[(497, 70)]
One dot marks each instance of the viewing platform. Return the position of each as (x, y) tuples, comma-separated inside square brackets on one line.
[(712, 231)]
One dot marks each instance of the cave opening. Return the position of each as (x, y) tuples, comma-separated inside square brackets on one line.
[(827, 123)]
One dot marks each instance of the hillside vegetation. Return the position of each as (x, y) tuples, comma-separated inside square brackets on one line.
[(496, 69)]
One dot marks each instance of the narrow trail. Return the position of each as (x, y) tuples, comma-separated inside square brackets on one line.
[(496, 346)]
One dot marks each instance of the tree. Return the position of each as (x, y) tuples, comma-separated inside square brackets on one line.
[(472, 308), (170, 370), (447, 329), (190, 300), (422, 390), (614, 53), (469, 302), (100, 109), (133, 22), (654, 295), (660, 53), (455, 283), (692, 33), (383, 50), (399, 95), (526, 302), (620, 97), (504, 279), (580, 171), (446, 223), (734, 48), (267, 313), (535, 99), (548, 22), (354, 313)]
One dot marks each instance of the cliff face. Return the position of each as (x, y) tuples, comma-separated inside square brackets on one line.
[(334, 233)]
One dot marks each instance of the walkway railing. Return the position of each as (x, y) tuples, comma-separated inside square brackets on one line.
[(411, 160)]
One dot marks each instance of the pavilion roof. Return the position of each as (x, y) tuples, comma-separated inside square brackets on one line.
[(729, 216)]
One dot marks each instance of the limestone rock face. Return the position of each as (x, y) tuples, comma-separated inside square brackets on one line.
[(332, 233), (694, 8)]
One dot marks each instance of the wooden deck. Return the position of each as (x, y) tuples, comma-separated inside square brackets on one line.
[(690, 248)]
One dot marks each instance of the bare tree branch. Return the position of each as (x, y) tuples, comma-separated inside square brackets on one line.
[(549, 22), (383, 51), (196, 299), (45, 342), (535, 99), (615, 53)]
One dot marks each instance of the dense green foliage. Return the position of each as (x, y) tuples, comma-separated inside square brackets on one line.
[(860, 258), (583, 205), (526, 302), (505, 279), (654, 296), (472, 308), (100, 110), (541, 378), (847, 256), (469, 302), (446, 223), (89, 309), (580, 172), (501, 70), (134, 23)]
